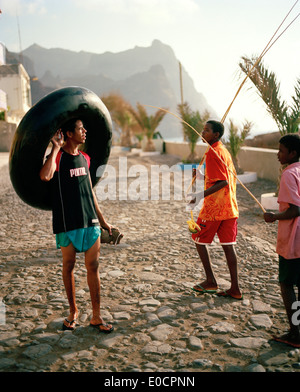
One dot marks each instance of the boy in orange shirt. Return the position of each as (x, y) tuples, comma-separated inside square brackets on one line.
[(219, 212)]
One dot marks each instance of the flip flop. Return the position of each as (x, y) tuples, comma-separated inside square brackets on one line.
[(201, 290), (66, 328), (98, 326), (225, 294), (285, 339)]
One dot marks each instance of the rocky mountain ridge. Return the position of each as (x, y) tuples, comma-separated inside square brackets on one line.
[(148, 75)]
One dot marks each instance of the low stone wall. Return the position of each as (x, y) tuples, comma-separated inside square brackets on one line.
[(7, 131), (182, 150), (263, 161)]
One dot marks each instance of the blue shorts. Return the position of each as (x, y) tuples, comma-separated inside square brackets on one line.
[(82, 239)]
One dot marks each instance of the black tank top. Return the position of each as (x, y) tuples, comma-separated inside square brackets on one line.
[(73, 205)]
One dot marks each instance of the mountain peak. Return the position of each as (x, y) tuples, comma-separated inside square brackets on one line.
[(35, 47), (157, 42), (141, 74)]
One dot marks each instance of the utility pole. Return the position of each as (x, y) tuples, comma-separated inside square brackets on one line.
[(20, 43), (181, 85)]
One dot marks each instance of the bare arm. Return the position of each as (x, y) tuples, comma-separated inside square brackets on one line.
[(215, 188), (292, 212), (101, 219), (48, 169)]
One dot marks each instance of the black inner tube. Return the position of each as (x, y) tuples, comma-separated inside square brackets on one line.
[(37, 128)]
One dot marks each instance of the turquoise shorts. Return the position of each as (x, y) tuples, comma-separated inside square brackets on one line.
[(82, 239)]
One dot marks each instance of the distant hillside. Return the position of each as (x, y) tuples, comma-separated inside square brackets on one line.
[(268, 140), (149, 75)]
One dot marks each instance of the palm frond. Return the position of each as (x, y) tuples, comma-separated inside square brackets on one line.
[(295, 110), (195, 120), (268, 89), (148, 123), (236, 140), (286, 117)]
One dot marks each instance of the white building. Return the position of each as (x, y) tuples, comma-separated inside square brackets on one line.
[(2, 54), (15, 82), (15, 91), (3, 101)]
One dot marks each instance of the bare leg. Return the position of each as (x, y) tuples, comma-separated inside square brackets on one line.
[(233, 269), (93, 279), (289, 297), (69, 259), (292, 338), (210, 282)]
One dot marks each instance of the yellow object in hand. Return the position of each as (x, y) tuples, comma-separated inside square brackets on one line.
[(193, 227)]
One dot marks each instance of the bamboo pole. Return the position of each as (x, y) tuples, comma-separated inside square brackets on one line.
[(211, 148), (181, 84), (265, 50)]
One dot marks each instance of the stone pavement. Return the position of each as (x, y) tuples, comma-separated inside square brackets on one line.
[(161, 325), (4, 159)]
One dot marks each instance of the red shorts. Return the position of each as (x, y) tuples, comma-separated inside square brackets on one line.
[(226, 231)]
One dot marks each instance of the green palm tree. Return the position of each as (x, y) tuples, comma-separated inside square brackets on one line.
[(286, 117), (121, 116), (125, 122), (197, 121), (236, 140), (147, 123)]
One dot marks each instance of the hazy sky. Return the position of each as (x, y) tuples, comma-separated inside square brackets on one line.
[(208, 37)]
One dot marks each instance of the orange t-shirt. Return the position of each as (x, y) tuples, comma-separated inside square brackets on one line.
[(221, 205)]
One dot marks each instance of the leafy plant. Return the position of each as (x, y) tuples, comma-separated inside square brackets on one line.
[(197, 121), (287, 117), (123, 120), (236, 140), (148, 123)]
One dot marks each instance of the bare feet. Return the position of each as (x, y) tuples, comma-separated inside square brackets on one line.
[(206, 287), (70, 322), (101, 325), (231, 293)]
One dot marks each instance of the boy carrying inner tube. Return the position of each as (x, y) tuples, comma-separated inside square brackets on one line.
[(76, 216)]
